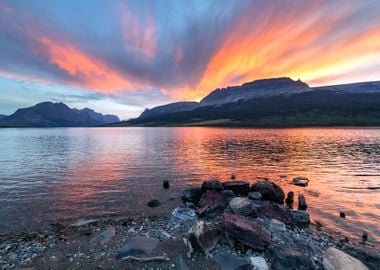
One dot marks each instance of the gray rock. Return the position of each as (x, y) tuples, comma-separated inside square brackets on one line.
[(138, 247), (247, 231), (243, 206), (238, 187), (335, 259), (192, 195), (300, 217), (258, 263), (276, 226), (300, 181), (302, 205), (182, 215), (104, 237), (180, 263), (370, 257), (153, 203), (255, 196), (212, 185), (228, 195), (207, 235), (269, 190), (228, 261)]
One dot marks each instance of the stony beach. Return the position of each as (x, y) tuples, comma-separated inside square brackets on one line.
[(229, 225)]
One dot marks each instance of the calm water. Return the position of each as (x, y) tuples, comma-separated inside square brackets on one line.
[(63, 173)]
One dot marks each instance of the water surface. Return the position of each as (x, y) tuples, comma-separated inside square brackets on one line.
[(63, 173)]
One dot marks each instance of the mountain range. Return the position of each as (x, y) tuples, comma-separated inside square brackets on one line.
[(49, 114), (273, 102)]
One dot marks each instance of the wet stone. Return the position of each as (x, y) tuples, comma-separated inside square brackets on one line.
[(138, 247), (154, 203)]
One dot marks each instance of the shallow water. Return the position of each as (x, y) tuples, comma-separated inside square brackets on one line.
[(60, 173)]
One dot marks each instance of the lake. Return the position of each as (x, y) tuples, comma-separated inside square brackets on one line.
[(49, 174)]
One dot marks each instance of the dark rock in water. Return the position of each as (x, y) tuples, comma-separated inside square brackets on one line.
[(290, 199), (233, 177), (342, 215), (302, 205), (192, 195), (180, 263), (301, 217), (286, 257), (365, 236), (243, 206), (275, 211), (182, 215), (269, 190), (300, 181), (228, 195), (212, 199), (256, 196), (212, 185), (138, 247), (166, 184), (247, 231), (207, 235), (228, 261), (154, 203), (335, 259), (238, 187), (369, 257)]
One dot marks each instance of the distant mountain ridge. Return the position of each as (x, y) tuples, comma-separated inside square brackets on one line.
[(2, 116), (49, 114)]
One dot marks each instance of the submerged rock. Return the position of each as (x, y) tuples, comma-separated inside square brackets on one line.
[(277, 212), (228, 261), (258, 263), (243, 206), (238, 187), (302, 205), (153, 203), (212, 185), (335, 259), (228, 195), (182, 215), (138, 247), (212, 199), (300, 181), (269, 190), (165, 184), (247, 231), (207, 235), (192, 195)]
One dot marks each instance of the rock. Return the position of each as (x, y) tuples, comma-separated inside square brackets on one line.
[(180, 263), (256, 196), (212, 199), (192, 195), (370, 257), (182, 215), (300, 181), (258, 263), (105, 236), (286, 257), (290, 199), (82, 222), (207, 235), (165, 184), (228, 261), (138, 247), (269, 190), (190, 205), (335, 259), (212, 185), (302, 205), (277, 212), (342, 214), (153, 203), (365, 236), (228, 195), (276, 226), (247, 231), (238, 187), (301, 217), (243, 206)]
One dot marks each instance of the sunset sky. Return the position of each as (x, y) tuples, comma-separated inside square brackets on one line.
[(123, 56)]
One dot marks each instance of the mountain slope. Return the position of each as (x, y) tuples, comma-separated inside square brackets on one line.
[(2, 116), (48, 114)]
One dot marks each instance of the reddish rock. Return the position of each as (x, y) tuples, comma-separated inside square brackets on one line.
[(212, 199), (275, 211), (238, 187), (247, 231)]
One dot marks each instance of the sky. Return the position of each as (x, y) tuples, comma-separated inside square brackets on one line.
[(121, 57)]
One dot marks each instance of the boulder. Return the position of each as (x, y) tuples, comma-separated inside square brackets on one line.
[(256, 196), (277, 212), (300, 181), (182, 215), (238, 187), (228, 261), (192, 195), (153, 203), (290, 199), (258, 263), (247, 231), (104, 237), (335, 259), (300, 217), (228, 195), (302, 205), (276, 226), (207, 235), (243, 206), (370, 257), (212, 199), (269, 190), (212, 185), (138, 247)]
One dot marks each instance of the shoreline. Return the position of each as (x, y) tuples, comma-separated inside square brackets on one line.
[(204, 220)]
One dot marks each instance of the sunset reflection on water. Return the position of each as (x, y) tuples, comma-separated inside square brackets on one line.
[(50, 174)]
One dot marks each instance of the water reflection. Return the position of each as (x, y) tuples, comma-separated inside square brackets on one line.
[(48, 174)]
